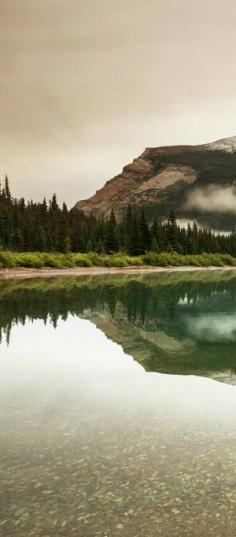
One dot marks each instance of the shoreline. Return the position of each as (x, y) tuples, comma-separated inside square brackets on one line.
[(47, 272)]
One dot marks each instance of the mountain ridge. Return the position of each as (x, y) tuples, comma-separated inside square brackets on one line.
[(167, 178)]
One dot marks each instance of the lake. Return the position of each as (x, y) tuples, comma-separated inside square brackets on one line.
[(118, 406)]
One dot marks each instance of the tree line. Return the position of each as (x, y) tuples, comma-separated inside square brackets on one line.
[(31, 226)]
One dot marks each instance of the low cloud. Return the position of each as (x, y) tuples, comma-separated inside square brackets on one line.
[(213, 199)]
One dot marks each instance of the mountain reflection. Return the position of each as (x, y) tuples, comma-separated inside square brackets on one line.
[(180, 323)]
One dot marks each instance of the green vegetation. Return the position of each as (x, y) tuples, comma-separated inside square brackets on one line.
[(47, 227), (9, 259)]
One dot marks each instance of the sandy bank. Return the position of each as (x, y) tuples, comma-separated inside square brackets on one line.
[(21, 273)]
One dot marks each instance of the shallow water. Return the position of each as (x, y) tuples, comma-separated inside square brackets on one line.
[(118, 405)]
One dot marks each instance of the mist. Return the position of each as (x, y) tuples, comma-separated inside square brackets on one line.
[(213, 198)]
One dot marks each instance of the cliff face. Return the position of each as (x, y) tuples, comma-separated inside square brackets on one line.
[(166, 178)]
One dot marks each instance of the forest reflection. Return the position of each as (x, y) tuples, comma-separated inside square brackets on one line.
[(175, 323)]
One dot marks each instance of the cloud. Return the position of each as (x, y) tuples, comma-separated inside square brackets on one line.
[(213, 199)]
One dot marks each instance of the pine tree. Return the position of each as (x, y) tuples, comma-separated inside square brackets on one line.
[(66, 244), (41, 239), (127, 223), (157, 235), (145, 238), (100, 249), (50, 227), (7, 189), (111, 242), (135, 239), (171, 233)]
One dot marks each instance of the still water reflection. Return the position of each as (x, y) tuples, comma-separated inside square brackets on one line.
[(96, 439)]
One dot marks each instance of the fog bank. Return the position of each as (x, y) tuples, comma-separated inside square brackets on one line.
[(213, 198)]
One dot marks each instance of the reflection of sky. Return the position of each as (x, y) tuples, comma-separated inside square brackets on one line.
[(42, 366), (213, 327)]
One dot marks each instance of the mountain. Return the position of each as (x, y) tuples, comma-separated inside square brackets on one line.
[(197, 182)]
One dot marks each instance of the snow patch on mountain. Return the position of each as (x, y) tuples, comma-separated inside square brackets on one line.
[(225, 144)]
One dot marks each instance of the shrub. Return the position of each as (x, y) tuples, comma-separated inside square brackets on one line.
[(228, 259), (161, 260), (29, 260), (7, 260), (118, 261), (134, 261), (52, 260), (38, 259), (97, 259), (82, 260)]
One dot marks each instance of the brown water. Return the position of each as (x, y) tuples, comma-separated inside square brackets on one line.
[(93, 445)]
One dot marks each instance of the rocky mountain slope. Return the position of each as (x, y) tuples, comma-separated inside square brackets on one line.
[(197, 182)]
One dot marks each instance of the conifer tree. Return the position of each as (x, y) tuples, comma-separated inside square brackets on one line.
[(7, 189), (111, 242), (50, 227), (145, 237)]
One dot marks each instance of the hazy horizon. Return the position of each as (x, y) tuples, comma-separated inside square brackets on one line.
[(85, 87)]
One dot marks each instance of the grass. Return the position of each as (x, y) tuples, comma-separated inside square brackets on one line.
[(10, 259)]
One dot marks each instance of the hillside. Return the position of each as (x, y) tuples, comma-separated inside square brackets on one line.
[(197, 182)]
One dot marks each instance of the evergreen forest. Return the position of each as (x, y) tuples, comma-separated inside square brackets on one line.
[(49, 227)]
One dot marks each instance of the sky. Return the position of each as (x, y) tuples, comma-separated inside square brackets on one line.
[(87, 85)]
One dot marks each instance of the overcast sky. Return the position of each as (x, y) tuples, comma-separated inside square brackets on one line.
[(86, 85)]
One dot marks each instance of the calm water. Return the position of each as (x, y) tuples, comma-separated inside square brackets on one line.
[(118, 406)]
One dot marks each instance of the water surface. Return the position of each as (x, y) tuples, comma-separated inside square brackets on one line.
[(117, 406)]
